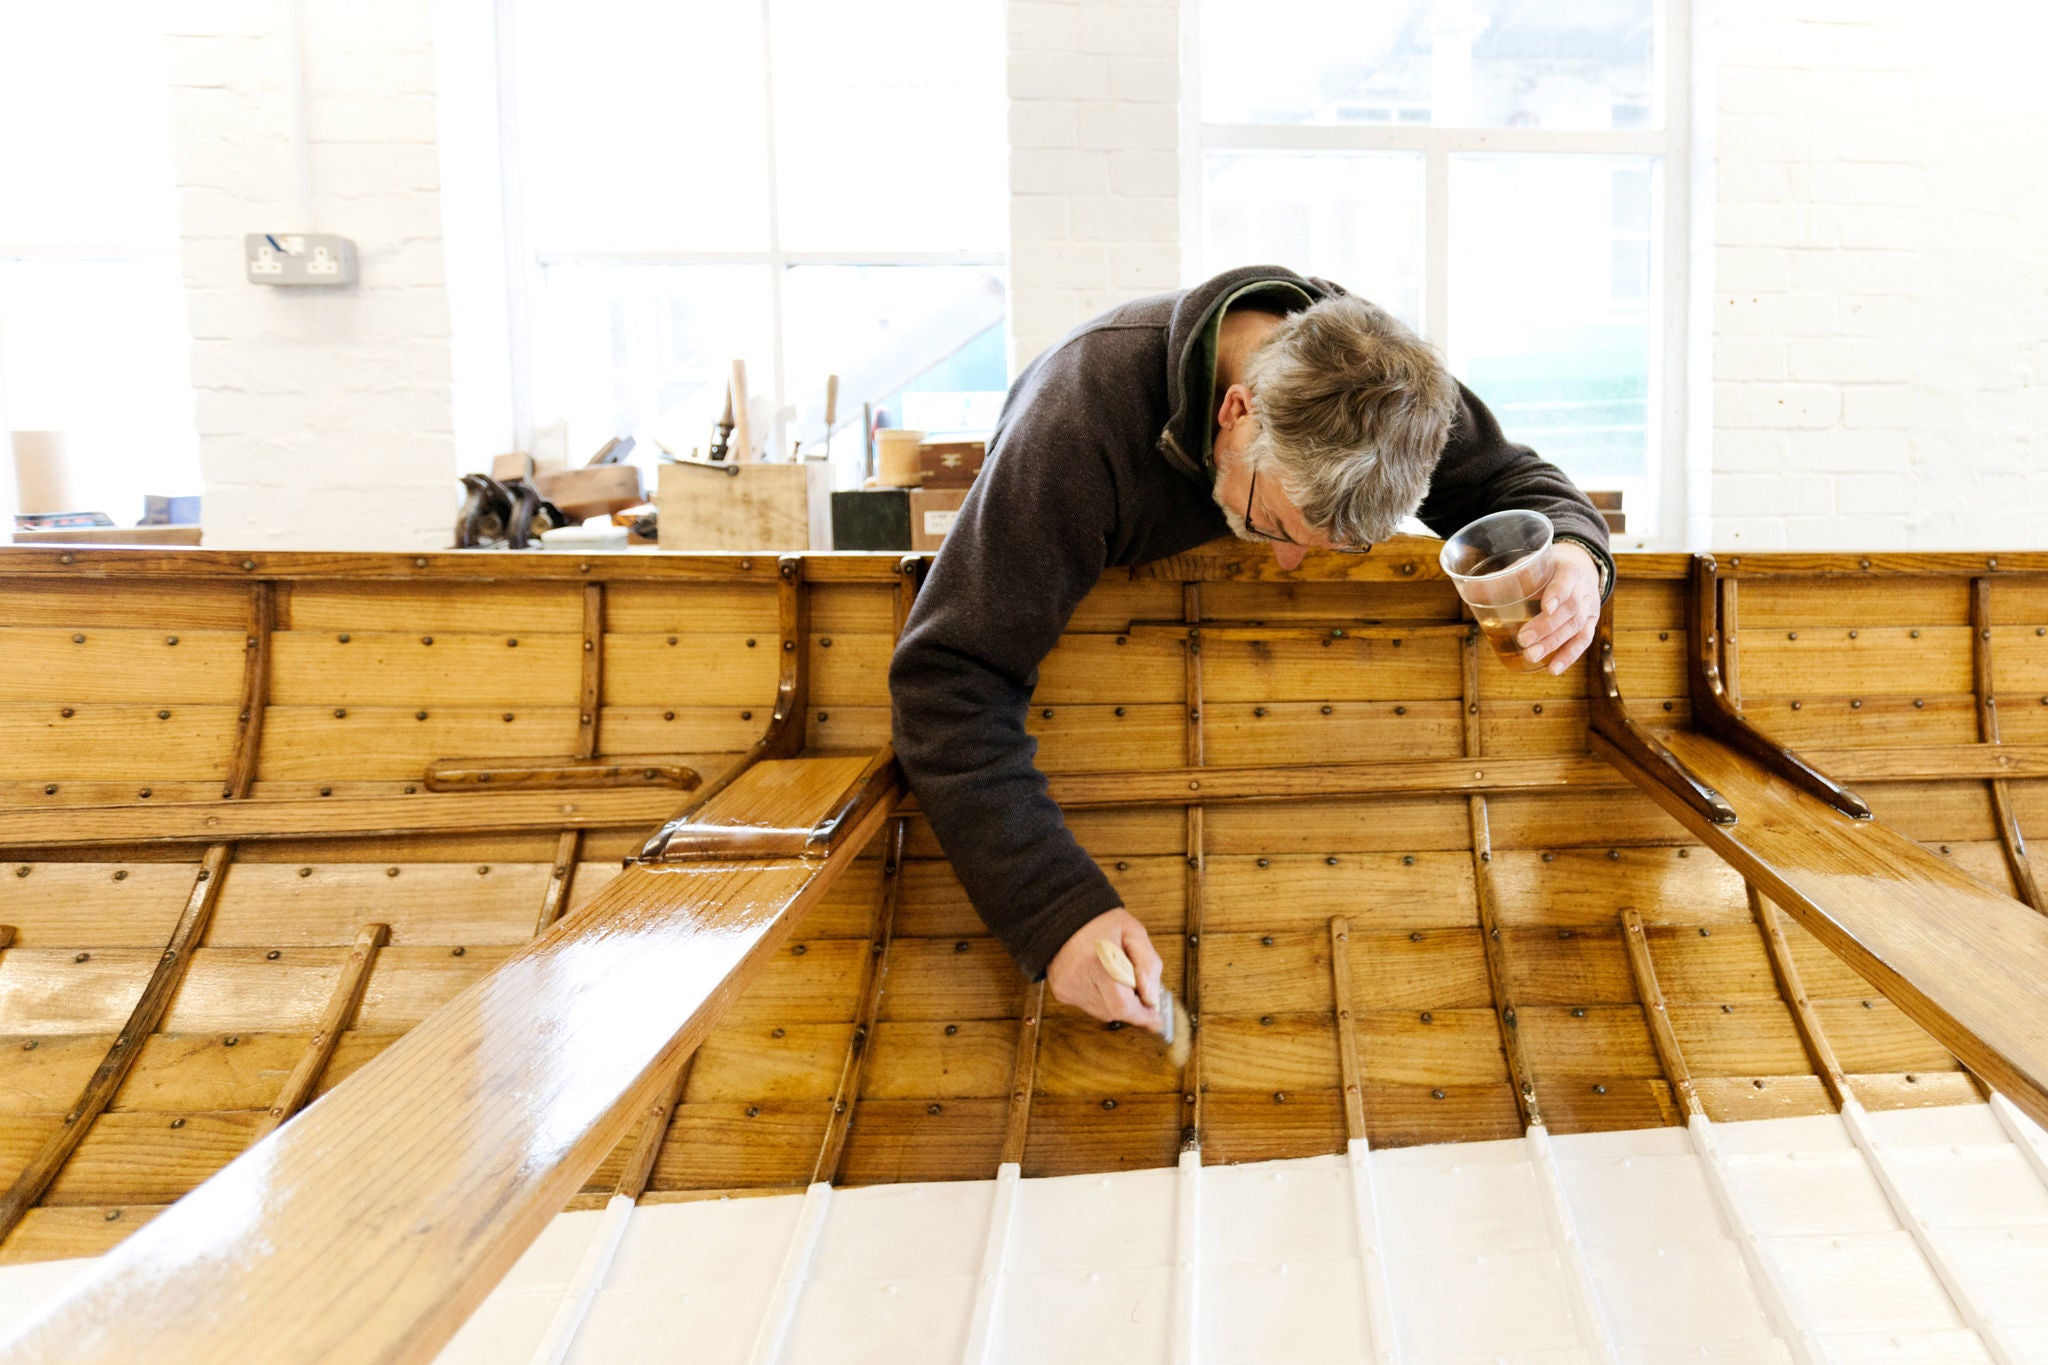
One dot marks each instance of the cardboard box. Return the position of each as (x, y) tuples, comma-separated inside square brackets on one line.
[(932, 511), (950, 464)]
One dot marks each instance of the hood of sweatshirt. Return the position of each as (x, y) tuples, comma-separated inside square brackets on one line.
[(1191, 353)]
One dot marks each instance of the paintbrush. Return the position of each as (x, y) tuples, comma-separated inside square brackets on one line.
[(1175, 1031)]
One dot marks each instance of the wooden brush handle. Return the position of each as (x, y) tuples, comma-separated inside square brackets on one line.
[(1114, 961)]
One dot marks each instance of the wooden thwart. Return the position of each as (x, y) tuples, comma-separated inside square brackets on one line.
[(374, 1225)]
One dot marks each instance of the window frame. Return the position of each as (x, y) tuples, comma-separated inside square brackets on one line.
[(1672, 189), (526, 264)]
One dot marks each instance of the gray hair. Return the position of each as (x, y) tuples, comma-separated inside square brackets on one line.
[(1354, 411)]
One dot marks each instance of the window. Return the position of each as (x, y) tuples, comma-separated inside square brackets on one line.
[(793, 183), (92, 306), (1507, 176)]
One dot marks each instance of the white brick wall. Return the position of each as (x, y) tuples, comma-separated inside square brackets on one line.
[(1881, 276), (323, 417), (1094, 166)]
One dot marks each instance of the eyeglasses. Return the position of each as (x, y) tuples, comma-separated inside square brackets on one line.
[(1285, 539)]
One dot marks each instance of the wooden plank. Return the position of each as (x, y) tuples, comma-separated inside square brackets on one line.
[(1669, 1055), (639, 1168), (1964, 962), (339, 1014), (49, 1161), (168, 666), (334, 817), (387, 1212), (257, 681), (1351, 1073), (2009, 836), (876, 977), (555, 901), (1023, 1077), (1520, 1075), (1383, 777), (100, 742), (61, 1234)]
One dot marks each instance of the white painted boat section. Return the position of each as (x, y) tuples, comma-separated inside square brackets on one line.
[(1086, 1270)]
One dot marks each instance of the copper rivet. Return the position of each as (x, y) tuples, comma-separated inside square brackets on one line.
[(1428, 1018), (1537, 708), (419, 715), (22, 871), (1856, 704), (1123, 867), (952, 1029), (1415, 936), (249, 564), (391, 872), (272, 956), (1667, 706), (1109, 1104), (1120, 710), (961, 946), (144, 793), (78, 639), (419, 563), (68, 713), (508, 717), (305, 872), (1613, 855), (1599, 1089), (753, 1111), (1796, 706), (799, 950), (83, 957), (776, 1033), (672, 640), (340, 711), (1920, 703), (1727, 1009), (1914, 634), (1115, 1025), (457, 951), (1407, 860), (426, 639), (113, 1215), (231, 1040), (1331, 861), (163, 715), (1706, 932), (934, 1109), (1578, 1014), (1267, 940), (1400, 710), (1436, 1094), (1279, 1097), (341, 639), (1564, 933), (788, 646), (1266, 1020), (1258, 710), (29, 1046), (1327, 710)]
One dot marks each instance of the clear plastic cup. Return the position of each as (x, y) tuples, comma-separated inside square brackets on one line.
[(1501, 565)]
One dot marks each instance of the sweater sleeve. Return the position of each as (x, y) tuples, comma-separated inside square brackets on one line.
[(1481, 472), (1031, 540)]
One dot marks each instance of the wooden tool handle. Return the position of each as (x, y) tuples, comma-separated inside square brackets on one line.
[(1116, 963), (831, 403), (743, 430)]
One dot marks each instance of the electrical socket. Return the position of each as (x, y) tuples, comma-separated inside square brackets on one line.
[(299, 258)]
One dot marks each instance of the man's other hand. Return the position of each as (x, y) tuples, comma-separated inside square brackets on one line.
[(1571, 610), (1078, 978)]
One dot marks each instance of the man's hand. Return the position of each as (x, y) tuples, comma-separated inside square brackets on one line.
[(1078, 978), (1571, 610)]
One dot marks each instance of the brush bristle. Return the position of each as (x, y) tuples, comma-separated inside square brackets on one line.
[(1183, 1036)]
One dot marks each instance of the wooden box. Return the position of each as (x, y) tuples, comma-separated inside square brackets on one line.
[(950, 464), (751, 505)]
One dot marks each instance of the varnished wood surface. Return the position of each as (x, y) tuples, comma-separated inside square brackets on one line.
[(337, 817), (1964, 962), (316, 1243), (1335, 780)]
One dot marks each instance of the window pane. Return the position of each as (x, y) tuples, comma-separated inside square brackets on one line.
[(1355, 219), (626, 348), (890, 133), (916, 339), (97, 350), (1550, 289), (642, 126), (87, 158), (1469, 63)]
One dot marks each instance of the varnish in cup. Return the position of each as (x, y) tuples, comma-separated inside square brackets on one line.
[(1502, 564)]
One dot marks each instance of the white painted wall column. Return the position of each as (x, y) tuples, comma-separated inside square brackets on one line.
[(1094, 170), (324, 416)]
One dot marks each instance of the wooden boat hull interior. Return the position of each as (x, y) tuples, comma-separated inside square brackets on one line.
[(266, 815)]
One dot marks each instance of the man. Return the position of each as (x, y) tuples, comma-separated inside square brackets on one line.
[(1264, 403)]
